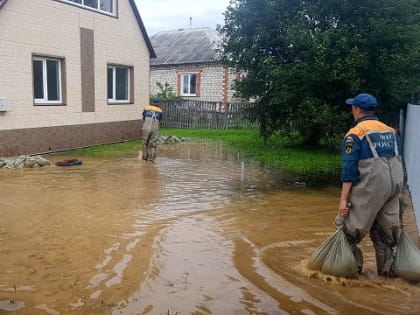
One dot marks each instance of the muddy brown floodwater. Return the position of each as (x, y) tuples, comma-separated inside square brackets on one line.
[(188, 234)]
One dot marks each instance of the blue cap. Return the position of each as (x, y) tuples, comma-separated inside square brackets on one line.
[(155, 101), (363, 101)]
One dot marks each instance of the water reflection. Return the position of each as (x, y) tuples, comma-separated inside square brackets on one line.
[(195, 232)]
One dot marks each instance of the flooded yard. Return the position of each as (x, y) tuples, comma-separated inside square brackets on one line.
[(195, 232)]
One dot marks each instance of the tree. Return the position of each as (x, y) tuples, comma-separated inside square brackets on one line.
[(304, 58), (165, 92)]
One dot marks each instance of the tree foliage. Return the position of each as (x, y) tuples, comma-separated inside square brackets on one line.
[(304, 58), (165, 92)]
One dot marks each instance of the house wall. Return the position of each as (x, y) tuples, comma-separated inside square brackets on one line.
[(53, 28), (215, 83)]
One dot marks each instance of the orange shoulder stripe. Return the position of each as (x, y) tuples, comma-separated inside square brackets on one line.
[(368, 125), (154, 108)]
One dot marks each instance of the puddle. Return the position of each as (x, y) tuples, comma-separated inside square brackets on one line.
[(11, 305)]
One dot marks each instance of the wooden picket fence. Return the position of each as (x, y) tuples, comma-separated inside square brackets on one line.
[(205, 115)]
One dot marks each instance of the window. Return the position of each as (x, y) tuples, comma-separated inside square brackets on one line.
[(100, 5), (119, 81), (47, 80), (91, 3), (106, 5), (189, 84)]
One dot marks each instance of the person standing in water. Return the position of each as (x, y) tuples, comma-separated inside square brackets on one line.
[(372, 179), (152, 115)]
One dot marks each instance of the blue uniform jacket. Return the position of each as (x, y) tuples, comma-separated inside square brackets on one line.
[(150, 111), (355, 145)]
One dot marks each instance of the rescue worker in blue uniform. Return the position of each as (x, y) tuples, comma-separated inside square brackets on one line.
[(372, 179), (152, 115)]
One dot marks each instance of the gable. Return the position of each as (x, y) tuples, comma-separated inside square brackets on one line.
[(143, 29), (190, 46), (139, 22)]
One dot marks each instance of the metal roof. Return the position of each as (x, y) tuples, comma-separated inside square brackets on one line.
[(185, 46)]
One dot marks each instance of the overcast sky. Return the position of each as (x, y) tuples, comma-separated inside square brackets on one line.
[(167, 15)]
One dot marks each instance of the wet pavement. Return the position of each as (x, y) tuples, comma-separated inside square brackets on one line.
[(195, 232)]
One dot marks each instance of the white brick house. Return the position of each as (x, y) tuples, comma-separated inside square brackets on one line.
[(189, 62), (73, 73)]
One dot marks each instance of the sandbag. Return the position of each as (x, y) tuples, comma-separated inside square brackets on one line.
[(334, 257), (407, 260)]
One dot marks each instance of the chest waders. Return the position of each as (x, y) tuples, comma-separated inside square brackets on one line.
[(150, 137), (375, 207)]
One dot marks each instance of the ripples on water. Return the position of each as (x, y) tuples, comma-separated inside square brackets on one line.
[(189, 233)]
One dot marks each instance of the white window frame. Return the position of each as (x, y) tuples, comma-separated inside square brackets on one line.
[(98, 8), (114, 84), (188, 93), (45, 99)]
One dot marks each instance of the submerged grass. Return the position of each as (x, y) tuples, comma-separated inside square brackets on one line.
[(287, 153)]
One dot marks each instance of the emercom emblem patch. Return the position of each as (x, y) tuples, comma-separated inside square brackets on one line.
[(349, 145)]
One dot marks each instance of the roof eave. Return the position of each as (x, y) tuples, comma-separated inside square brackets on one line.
[(2, 3), (185, 64), (152, 52)]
